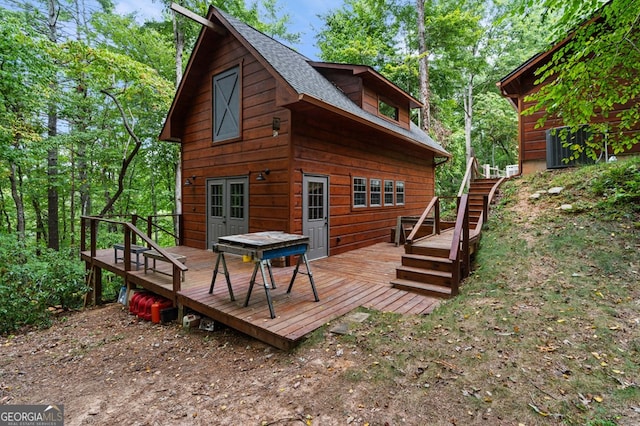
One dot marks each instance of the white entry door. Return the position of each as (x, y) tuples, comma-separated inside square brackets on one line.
[(227, 208), (315, 214)]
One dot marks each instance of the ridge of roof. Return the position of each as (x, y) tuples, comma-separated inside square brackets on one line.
[(297, 71)]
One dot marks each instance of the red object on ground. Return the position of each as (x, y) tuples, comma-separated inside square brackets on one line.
[(157, 307)]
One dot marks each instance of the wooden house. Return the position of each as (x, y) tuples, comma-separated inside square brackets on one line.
[(541, 148), (274, 141)]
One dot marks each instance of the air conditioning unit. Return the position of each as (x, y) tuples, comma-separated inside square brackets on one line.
[(557, 152)]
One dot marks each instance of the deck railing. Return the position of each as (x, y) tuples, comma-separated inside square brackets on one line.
[(153, 226), (460, 253), (434, 206), (131, 232)]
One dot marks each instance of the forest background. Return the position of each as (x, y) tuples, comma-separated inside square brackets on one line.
[(84, 92)]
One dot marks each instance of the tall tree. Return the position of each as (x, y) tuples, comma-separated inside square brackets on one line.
[(423, 61), (53, 204)]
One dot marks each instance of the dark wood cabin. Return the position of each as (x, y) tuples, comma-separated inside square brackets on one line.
[(541, 148), (274, 141)]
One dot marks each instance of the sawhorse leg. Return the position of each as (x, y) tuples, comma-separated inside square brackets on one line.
[(265, 282), (226, 275), (303, 258)]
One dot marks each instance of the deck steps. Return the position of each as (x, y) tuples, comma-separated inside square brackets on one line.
[(424, 275), (435, 263), (426, 267), (422, 288)]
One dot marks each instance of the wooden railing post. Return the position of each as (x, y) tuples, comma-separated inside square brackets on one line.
[(83, 233), (134, 221), (150, 228), (436, 217), (466, 252), (127, 249), (94, 236), (177, 279), (485, 207)]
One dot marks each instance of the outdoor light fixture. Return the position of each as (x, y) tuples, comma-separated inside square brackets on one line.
[(261, 175), (275, 126), (188, 181)]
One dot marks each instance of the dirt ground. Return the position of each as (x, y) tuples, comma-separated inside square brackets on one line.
[(108, 367)]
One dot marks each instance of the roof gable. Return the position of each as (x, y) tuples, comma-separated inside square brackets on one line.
[(294, 72)]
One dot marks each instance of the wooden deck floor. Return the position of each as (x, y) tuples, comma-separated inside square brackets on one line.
[(344, 282)]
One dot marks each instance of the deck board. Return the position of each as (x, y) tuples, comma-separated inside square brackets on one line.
[(359, 278)]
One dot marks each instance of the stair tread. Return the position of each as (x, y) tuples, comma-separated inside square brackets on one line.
[(422, 286), (427, 258), (442, 274)]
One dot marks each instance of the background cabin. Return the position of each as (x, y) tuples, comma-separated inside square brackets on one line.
[(273, 141), (541, 148)]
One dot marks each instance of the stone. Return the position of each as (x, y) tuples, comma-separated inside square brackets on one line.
[(556, 190)]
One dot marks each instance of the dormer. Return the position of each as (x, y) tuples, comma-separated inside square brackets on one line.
[(370, 91)]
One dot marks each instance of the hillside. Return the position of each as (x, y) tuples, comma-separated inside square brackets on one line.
[(545, 331)]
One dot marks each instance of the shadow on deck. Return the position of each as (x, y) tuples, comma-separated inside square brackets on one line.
[(359, 278)]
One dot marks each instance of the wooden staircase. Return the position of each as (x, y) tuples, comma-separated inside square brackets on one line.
[(434, 265)]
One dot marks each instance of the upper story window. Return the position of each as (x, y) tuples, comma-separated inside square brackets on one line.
[(226, 105), (387, 110)]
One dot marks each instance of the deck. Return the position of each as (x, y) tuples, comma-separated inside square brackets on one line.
[(359, 278)]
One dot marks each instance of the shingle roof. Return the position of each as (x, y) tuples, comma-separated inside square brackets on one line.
[(295, 69)]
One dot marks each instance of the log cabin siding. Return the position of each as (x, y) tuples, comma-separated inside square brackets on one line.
[(533, 145), (354, 152), (257, 150)]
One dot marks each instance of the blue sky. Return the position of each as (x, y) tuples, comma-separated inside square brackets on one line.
[(303, 17)]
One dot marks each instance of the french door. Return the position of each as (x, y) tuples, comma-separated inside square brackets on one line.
[(227, 208)]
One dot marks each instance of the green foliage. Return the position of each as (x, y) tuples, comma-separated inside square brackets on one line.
[(33, 279), (595, 74)]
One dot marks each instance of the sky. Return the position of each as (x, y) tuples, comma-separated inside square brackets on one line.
[(302, 13)]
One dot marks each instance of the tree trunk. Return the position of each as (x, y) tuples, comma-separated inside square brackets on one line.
[(178, 33), (423, 62), (53, 203), (126, 161), (3, 209), (40, 227), (16, 194), (467, 100)]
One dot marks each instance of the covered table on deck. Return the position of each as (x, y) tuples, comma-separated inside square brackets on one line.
[(262, 247)]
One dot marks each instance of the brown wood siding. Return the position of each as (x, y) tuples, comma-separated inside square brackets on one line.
[(258, 149), (533, 139), (324, 145), (370, 104), (345, 80)]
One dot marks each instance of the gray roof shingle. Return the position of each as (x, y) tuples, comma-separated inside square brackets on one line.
[(295, 69)]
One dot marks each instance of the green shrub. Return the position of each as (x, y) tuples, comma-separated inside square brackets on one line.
[(32, 279)]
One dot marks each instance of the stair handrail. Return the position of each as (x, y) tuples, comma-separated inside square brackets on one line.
[(470, 174), (460, 252), (433, 204)]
